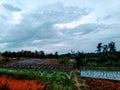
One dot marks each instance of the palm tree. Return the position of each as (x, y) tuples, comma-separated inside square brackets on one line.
[(112, 48), (99, 47), (105, 49)]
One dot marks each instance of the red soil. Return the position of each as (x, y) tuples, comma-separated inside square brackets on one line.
[(8, 83), (1, 57), (102, 84)]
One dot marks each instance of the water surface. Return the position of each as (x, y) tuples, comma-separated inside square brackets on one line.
[(113, 75)]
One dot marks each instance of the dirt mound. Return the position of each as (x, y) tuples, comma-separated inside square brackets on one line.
[(102, 84)]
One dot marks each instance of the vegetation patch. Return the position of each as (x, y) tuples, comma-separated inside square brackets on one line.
[(53, 79)]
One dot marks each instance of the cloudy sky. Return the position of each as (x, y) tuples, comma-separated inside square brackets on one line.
[(58, 25)]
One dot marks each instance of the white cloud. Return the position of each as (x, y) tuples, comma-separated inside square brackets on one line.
[(16, 18), (90, 18), (37, 41)]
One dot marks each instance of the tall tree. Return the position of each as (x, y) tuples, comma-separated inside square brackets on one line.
[(105, 49), (78, 58), (42, 54), (112, 47), (56, 54), (99, 47)]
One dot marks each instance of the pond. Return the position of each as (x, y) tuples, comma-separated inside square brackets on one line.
[(112, 75)]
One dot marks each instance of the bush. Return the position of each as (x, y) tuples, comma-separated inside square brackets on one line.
[(84, 88), (92, 64)]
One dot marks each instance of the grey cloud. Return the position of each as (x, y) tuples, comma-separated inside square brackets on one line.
[(104, 18), (107, 17), (48, 34), (58, 13), (38, 25), (11, 8), (86, 29)]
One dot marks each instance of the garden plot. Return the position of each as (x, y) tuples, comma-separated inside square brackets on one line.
[(38, 64)]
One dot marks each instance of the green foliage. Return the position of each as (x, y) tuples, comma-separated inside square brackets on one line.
[(56, 79), (80, 80), (63, 60), (92, 63), (84, 88), (79, 77), (63, 87)]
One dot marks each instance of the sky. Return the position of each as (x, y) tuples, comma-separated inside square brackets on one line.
[(58, 25)]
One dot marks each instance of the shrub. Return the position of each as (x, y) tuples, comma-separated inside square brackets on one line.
[(84, 88)]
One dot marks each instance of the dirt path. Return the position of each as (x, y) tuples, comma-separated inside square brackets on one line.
[(77, 84)]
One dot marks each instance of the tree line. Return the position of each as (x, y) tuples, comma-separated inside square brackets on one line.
[(110, 48), (106, 55), (28, 54)]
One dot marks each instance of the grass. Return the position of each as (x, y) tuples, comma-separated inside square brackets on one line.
[(79, 77), (84, 88)]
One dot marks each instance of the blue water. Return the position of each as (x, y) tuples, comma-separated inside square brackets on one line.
[(112, 75)]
